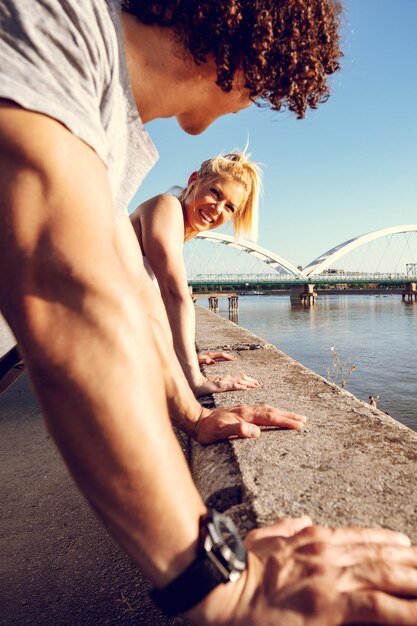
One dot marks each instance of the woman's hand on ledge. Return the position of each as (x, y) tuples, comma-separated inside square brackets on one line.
[(242, 421), (210, 358), (229, 382)]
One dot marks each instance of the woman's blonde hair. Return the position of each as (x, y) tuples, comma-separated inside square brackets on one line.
[(236, 166)]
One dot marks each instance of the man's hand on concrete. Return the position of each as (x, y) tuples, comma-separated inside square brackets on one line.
[(242, 421), (319, 577)]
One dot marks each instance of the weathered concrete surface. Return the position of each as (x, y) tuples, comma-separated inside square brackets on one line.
[(351, 464)]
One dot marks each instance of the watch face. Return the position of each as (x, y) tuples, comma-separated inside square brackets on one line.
[(231, 538), (227, 545)]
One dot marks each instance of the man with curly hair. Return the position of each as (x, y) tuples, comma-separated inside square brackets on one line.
[(280, 53), (77, 83)]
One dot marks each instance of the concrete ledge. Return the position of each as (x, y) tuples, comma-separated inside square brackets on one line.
[(351, 464)]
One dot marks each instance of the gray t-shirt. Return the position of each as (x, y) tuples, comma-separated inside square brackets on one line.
[(65, 59)]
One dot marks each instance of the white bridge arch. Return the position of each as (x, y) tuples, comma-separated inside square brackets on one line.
[(324, 261), (317, 266), (268, 257)]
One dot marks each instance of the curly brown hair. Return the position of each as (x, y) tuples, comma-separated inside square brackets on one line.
[(286, 48)]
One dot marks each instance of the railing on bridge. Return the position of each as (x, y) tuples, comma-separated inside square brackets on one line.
[(290, 279)]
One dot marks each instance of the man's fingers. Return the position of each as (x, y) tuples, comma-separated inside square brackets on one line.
[(284, 527), (390, 577), (237, 429), (351, 535), (376, 607), (243, 429), (266, 415), (345, 547), (350, 555)]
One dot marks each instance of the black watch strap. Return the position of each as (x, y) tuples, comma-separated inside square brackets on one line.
[(194, 584)]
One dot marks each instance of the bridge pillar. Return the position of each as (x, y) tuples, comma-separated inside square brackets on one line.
[(233, 303), (410, 293), (213, 304), (234, 309), (303, 294)]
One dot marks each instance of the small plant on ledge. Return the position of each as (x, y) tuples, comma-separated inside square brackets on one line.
[(341, 371)]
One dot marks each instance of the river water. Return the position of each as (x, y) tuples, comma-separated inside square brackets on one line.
[(377, 334)]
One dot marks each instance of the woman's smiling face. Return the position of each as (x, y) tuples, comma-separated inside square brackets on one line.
[(211, 202)]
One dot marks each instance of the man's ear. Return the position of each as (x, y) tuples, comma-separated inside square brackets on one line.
[(193, 178)]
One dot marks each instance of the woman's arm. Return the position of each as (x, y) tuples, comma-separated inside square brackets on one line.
[(161, 228), (159, 225), (206, 426)]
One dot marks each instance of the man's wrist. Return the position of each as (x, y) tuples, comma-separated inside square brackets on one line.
[(203, 414), (221, 606), (230, 605), (189, 424), (220, 559)]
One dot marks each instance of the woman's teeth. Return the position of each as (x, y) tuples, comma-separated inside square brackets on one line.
[(206, 216)]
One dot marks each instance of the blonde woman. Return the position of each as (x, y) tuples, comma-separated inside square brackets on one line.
[(224, 188)]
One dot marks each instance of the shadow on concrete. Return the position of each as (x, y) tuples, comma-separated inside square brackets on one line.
[(58, 564)]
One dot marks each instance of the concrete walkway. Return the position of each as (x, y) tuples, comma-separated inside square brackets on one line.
[(58, 565)]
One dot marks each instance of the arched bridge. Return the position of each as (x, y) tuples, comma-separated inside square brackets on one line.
[(315, 269)]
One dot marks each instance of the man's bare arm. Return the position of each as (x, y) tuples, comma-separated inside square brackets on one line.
[(87, 341)]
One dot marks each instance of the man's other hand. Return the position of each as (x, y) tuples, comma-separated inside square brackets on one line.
[(242, 421), (319, 577)]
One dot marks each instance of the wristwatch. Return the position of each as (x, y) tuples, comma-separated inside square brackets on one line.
[(221, 558)]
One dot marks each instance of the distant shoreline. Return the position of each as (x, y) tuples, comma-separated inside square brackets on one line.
[(371, 292), (377, 291)]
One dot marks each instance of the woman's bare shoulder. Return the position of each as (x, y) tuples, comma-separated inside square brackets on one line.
[(161, 207), (161, 202), (159, 216)]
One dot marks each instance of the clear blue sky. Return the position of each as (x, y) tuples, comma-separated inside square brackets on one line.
[(350, 167)]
